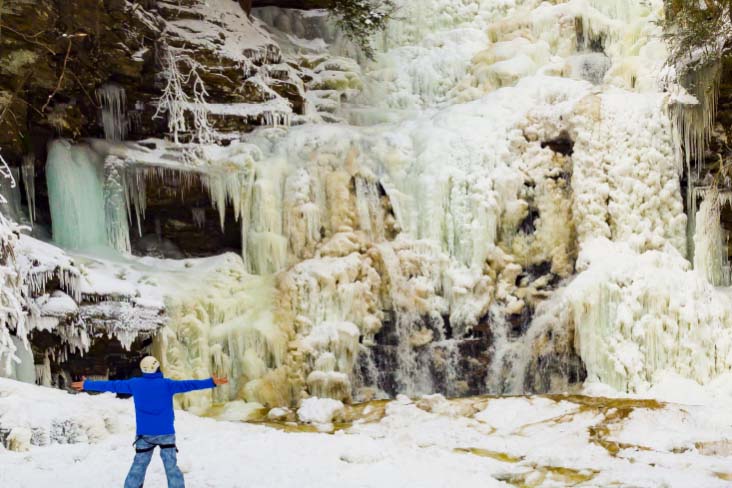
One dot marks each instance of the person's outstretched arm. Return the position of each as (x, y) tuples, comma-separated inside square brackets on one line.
[(182, 386), (114, 386)]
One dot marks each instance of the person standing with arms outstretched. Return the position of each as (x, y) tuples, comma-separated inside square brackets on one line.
[(153, 397)]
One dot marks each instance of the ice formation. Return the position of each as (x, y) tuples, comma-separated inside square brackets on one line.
[(710, 240), (113, 101), (28, 171), (503, 169), (638, 316), (12, 318), (461, 202), (76, 194), (228, 327)]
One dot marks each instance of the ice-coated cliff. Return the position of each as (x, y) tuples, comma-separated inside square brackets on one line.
[(498, 191)]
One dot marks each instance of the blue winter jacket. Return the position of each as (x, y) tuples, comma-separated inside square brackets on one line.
[(153, 396)]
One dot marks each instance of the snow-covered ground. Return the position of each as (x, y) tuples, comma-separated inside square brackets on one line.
[(427, 442)]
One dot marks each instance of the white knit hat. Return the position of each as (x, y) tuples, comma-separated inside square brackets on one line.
[(149, 364)]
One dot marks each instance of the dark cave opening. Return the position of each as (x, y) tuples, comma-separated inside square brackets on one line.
[(105, 359), (181, 222)]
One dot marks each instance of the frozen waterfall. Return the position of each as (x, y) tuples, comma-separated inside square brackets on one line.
[(495, 207), (76, 196)]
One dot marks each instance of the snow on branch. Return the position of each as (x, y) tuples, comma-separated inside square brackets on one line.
[(12, 316), (697, 33), (5, 173), (175, 101), (361, 19)]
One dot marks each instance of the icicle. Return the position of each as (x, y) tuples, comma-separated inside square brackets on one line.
[(710, 240), (43, 371), (135, 194), (694, 123), (266, 252), (114, 111), (199, 217), (217, 191), (29, 181), (118, 231)]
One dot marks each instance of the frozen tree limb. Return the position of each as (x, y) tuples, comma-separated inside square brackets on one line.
[(12, 317), (176, 102), (6, 174)]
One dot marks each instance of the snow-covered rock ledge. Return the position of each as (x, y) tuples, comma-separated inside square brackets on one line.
[(39, 416)]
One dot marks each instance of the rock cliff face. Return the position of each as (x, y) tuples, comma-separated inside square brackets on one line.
[(56, 55)]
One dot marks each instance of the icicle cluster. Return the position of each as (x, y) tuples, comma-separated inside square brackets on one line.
[(229, 319), (37, 279), (113, 102), (694, 123)]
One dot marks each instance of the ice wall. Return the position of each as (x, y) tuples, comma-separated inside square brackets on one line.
[(639, 316), (404, 216), (446, 197), (225, 323)]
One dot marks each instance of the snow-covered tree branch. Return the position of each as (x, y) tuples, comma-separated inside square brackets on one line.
[(361, 19), (12, 317), (176, 102), (698, 32)]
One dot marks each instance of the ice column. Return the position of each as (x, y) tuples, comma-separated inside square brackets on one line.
[(710, 242), (76, 196), (115, 205)]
